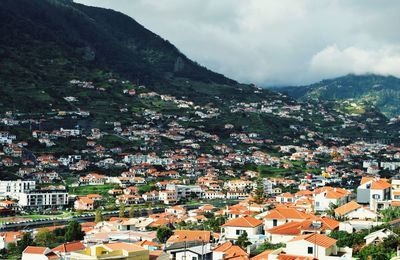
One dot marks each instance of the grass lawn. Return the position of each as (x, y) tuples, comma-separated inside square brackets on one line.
[(98, 189)]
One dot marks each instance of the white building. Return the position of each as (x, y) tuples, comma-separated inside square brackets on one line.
[(375, 192), (13, 189), (378, 236), (326, 196), (168, 196), (39, 253), (184, 191), (233, 228), (43, 199), (317, 246), (353, 210), (211, 195)]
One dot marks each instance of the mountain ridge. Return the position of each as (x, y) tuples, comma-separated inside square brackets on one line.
[(380, 91)]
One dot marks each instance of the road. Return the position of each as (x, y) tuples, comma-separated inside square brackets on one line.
[(26, 225)]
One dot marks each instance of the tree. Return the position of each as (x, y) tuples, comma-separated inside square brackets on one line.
[(267, 246), (215, 223), (131, 212), (163, 233), (390, 213), (331, 210), (73, 232), (259, 192), (25, 241), (98, 218), (44, 237), (11, 248), (122, 211), (376, 252), (243, 240)]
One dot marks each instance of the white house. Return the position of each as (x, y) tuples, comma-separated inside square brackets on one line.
[(326, 196), (13, 189), (290, 230), (279, 216), (193, 252), (375, 192), (378, 236), (353, 210), (43, 199), (315, 246), (233, 228), (39, 253)]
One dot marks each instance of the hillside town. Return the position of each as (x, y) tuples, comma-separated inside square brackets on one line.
[(162, 186)]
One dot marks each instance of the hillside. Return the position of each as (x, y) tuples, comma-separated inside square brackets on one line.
[(380, 91), (49, 42), (60, 60)]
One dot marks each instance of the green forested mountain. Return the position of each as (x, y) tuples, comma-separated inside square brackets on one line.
[(380, 91), (46, 43)]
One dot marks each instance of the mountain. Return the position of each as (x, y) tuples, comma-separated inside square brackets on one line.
[(48, 42), (380, 91), (67, 63)]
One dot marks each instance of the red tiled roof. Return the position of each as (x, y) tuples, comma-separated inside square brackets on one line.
[(69, 247), (320, 240), (262, 256), (287, 213), (346, 208), (243, 222), (35, 250)]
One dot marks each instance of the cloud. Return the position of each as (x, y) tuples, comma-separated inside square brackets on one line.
[(333, 61), (271, 42)]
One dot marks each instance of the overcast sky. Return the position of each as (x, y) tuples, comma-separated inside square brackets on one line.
[(276, 42)]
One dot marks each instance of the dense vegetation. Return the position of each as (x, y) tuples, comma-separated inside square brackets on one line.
[(380, 91), (46, 43)]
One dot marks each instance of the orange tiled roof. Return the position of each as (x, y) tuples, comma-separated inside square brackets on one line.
[(11, 236), (262, 256), (35, 250), (287, 213), (380, 185), (395, 203), (286, 195), (231, 252), (243, 222), (303, 193), (123, 246), (69, 247), (346, 208), (147, 243), (190, 235), (320, 240), (296, 228), (294, 257)]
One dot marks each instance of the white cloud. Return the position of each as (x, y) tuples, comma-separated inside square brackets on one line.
[(332, 61), (275, 42)]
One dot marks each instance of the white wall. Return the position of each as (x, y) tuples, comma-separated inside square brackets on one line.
[(301, 248), (33, 257), (361, 213), (230, 232), (189, 255), (277, 238)]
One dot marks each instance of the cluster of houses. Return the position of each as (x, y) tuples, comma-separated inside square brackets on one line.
[(178, 159), (300, 230)]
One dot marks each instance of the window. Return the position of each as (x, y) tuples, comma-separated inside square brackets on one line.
[(239, 232), (194, 258), (274, 222), (310, 250)]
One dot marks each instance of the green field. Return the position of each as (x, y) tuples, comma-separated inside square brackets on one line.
[(97, 189)]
